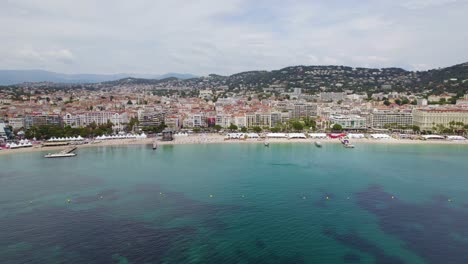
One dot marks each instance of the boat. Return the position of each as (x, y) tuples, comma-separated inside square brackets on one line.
[(155, 145), (266, 144), (318, 144), (60, 155), (348, 145)]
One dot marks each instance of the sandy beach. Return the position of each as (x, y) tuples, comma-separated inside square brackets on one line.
[(219, 139)]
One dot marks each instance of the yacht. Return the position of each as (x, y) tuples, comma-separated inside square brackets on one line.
[(155, 145), (318, 144)]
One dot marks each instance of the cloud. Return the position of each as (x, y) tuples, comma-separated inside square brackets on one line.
[(225, 37), (60, 55)]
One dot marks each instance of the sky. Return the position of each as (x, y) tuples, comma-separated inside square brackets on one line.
[(229, 36)]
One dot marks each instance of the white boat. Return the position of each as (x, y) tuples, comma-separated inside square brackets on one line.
[(155, 145), (60, 155), (266, 144), (348, 145), (318, 144)]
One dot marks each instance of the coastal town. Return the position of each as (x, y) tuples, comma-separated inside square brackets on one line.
[(41, 111)]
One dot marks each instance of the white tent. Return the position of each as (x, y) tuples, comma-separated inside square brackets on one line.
[(432, 137), (253, 135), (380, 136), (317, 135), (455, 138), (276, 135), (296, 135), (350, 135)]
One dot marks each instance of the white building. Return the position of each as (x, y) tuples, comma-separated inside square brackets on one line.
[(381, 118), (349, 121), (426, 119)]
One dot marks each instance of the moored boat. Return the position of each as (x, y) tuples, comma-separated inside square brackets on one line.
[(318, 144)]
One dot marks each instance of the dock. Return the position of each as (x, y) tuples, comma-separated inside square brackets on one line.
[(68, 150)]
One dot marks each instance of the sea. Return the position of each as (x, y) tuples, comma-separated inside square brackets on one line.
[(237, 203)]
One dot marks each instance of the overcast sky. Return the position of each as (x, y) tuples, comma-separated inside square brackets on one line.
[(229, 36)]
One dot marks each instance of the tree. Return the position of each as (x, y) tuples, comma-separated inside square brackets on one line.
[(218, 128), (398, 101), (129, 102), (244, 129), (386, 102), (196, 130), (275, 129), (233, 127), (416, 128), (257, 129), (337, 127), (298, 126)]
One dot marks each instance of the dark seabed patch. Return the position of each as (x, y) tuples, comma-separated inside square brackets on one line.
[(324, 199), (107, 195), (180, 206), (351, 258), (431, 230), (87, 236), (355, 241)]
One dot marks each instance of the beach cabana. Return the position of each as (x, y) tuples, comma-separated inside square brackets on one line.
[(434, 137)]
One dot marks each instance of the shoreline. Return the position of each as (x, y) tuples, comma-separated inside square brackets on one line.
[(219, 139)]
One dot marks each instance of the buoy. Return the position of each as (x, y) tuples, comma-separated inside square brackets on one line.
[(303, 197), (30, 202), (101, 197), (211, 196), (393, 197), (242, 196), (327, 198), (449, 200), (68, 200), (347, 198), (160, 193)]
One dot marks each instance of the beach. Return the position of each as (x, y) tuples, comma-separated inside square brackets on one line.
[(220, 139)]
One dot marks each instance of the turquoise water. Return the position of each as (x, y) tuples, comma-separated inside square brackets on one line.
[(237, 203)]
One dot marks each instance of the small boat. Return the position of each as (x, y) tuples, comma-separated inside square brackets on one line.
[(266, 144), (348, 145), (318, 144), (60, 155), (155, 145)]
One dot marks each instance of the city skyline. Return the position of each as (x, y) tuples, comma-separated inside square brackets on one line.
[(230, 37)]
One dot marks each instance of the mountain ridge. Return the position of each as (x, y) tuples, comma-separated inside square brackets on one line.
[(12, 77)]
